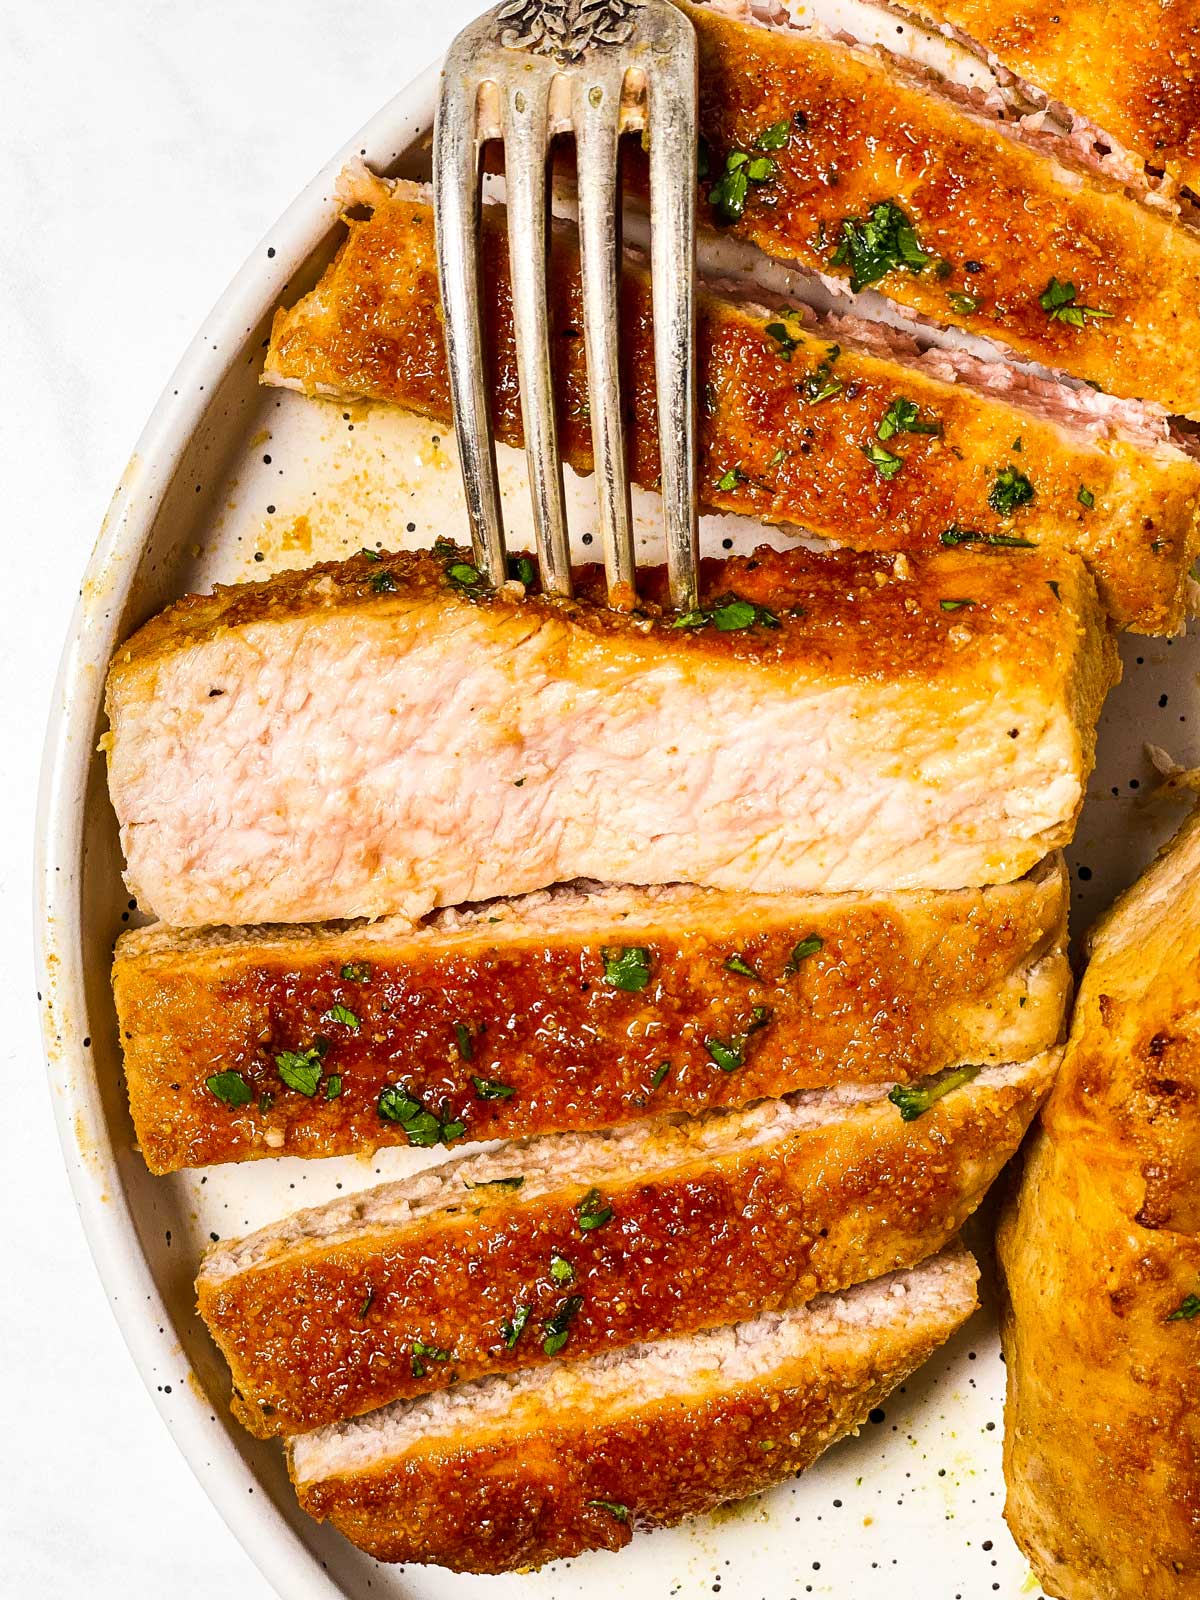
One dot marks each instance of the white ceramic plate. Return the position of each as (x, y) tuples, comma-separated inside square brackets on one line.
[(231, 481)]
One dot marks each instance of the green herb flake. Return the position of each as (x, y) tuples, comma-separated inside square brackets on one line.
[(1086, 498), (489, 1089), (514, 1182), (774, 137), (882, 242), (1017, 445), (561, 1270), (522, 569), (462, 1037), (784, 341), (558, 1329), (885, 463), (463, 575), (230, 1088), (265, 1101), (343, 1014), (728, 481), (357, 972), (371, 555), (593, 1212), (742, 967), (963, 304), (421, 1127), (368, 1302), (904, 416), (1011, 490), (422, 1352), (660, 1073), (1052, 585), (728, 195), (333, 1086), (760, 169), (1058, 301), (731, 614), (914, 1099), (779, 456), (1187, 1310), (956, 535), (301, 1069), (807, 946), (382, 582), (821, 385), (512, 1331), (729, 1057), (955, 605), (613, 1507), (626, 966)]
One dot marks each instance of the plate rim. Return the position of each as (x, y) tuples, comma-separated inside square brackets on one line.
[(88, 1154)]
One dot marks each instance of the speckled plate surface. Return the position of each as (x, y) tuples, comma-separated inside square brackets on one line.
[(232, 481)]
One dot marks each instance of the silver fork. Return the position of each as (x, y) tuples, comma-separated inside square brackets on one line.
[(521, 73)]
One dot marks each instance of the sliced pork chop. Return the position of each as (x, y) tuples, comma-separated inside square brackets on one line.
[(387, 735), (510, 1472), (793, 411), (573, 1243), (576, 1008)]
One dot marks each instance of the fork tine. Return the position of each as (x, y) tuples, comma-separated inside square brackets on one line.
[(526, 145), (456, 201), (672, 121), (596, 118)]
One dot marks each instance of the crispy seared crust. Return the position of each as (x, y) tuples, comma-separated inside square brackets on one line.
[(1100, 1251), (808, 755), (567, 1472), (372, 330), (975, 194), (901, 986), (321, 1328), (1134, 69)]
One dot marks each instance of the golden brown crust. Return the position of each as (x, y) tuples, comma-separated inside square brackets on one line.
[(976, 195), (897, 987), (1101, 1251), (371, 330), (1134, 69), (582, 1480), (324, 1329)]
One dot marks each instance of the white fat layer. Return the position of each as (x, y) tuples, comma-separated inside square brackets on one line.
[(690, 1369), (551, 1162)]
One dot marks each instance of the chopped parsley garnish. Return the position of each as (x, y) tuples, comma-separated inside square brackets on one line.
[(728, 615), (904, 416), (230, 1088), (660, 1073), (357, 972), (422, 1352), (333, 1086), (1058, 301), (626, 966), (728, 481), (265, 1101), (514, 1182), (462, 1037), (1052, 585), (1086, 498), (464, 575), (821, 384), (368, 1302), (301, 1069), (512, 1331), (421, 1126), (731, 1055), (371, 555), (784, 341), (613, 1507), (561, 1270), (446, 549), (955, 535), (760, 169), (882, 242), (1187, 1310), (728, 195), (489, 1089), (592, 1211), (964, 304), (885, 463), (1011, 490), (801, 952), (343, 1014), (382, 582), (522, 569), (915, 1099), (780, 455), (742, 967), (558, 1329), (955, 605), (774, 137)]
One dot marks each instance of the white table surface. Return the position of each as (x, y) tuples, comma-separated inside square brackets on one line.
[(144, 148)]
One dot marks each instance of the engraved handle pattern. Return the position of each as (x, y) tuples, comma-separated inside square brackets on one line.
[(565, 28)]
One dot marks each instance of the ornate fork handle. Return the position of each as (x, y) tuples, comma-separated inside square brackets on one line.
[(564, 28)]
